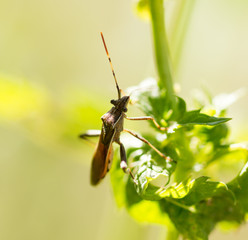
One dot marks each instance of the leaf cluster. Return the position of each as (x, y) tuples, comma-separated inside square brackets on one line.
[(181, 192)]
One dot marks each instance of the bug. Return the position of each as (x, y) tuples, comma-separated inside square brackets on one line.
[(112, 126)]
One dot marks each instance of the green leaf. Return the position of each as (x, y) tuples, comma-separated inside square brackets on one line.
[(196, 206), (239, 186), (193, 226), (197, 118), (152, 174), (192, 192), (152, 101), (177, 191), (179, 110), (202, 189), (155, 105), (148, 212), (126, 196), (119, 181), (216, 134)]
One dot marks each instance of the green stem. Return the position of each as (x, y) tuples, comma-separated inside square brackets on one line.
[(179, 28), (161, 49)]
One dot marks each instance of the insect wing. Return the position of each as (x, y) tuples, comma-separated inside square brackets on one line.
[(102, 157)]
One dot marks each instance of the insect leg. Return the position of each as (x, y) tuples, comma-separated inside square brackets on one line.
[(147, 118), (149, 144), (123, 164), (90, 133)]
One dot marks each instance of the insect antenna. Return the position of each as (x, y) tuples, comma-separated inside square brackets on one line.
[(117, 86)]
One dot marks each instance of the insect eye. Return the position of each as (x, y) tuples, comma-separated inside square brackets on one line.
[(125, 110), (113, 102)]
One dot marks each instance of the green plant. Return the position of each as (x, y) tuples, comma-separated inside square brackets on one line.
[(181, 195)]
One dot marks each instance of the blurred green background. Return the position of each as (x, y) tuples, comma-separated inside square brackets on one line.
[(55, 82)]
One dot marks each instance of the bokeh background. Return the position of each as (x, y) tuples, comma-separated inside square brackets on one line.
[(55, 82)]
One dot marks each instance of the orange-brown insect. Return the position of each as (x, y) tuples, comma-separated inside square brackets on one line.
[(112, 127)]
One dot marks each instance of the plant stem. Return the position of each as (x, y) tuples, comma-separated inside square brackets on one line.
[(163, 61), (178, 29)]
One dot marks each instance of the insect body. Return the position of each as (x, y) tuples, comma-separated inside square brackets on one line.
[(111, 129)]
